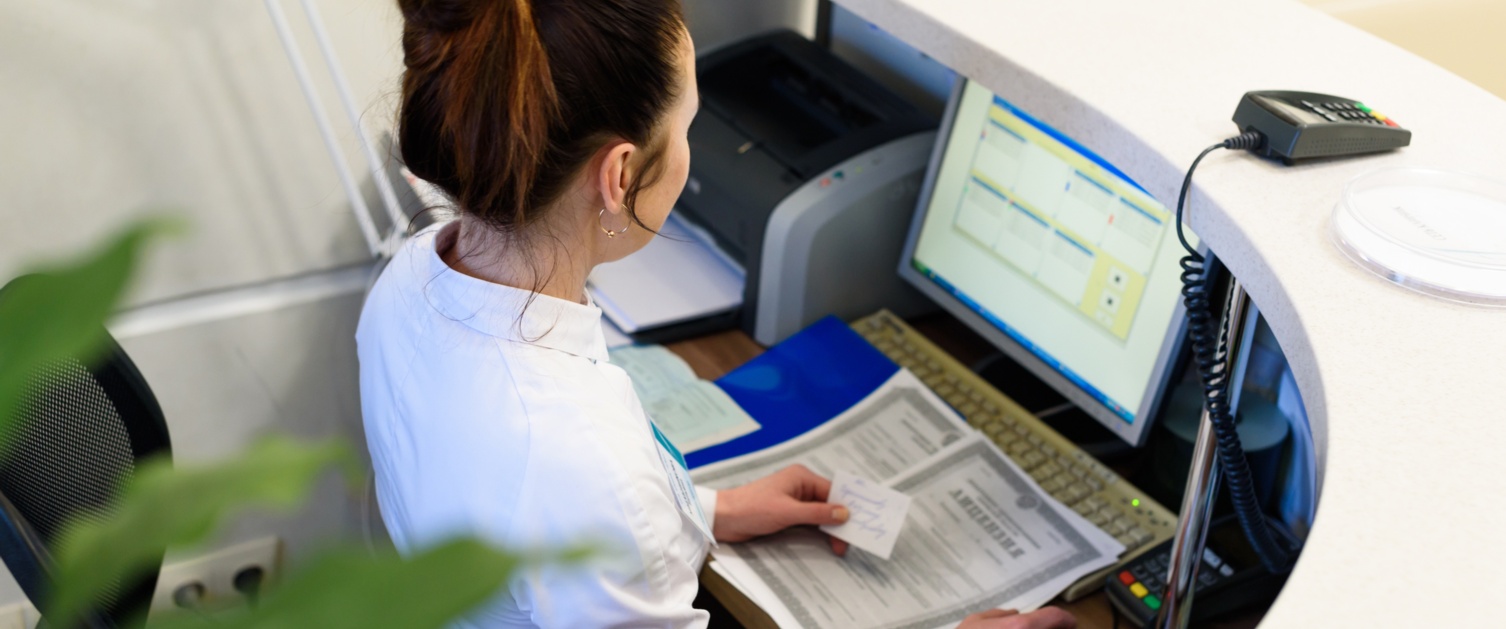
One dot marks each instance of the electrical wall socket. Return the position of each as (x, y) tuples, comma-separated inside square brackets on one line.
[(216, 573)]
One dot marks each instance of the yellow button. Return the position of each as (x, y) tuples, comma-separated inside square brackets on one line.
[(1138, 589)]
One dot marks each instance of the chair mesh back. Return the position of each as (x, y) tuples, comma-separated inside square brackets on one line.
[(76, 444), (73, 451)]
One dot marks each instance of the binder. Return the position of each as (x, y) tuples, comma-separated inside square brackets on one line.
[(798, 385)]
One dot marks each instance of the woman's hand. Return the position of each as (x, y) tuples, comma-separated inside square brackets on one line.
[(790, 497), (1043, 618)]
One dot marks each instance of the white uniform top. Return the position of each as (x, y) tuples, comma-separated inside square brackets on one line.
[(518, 431)]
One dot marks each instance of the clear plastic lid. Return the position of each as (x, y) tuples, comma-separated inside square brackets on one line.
[(1436, 232)]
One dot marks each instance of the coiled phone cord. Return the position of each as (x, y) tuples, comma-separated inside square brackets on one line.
[(1209, 352)]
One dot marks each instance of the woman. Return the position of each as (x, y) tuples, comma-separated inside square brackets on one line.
[(491, 409)]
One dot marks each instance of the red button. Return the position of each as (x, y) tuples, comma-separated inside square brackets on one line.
[(1126, 578), (1391, 122)]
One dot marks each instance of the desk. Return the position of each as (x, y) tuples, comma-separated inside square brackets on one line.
[(1402, 391), (714, 355)]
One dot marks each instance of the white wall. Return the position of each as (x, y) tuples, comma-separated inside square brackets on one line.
[(1463, 36), (114, 109)]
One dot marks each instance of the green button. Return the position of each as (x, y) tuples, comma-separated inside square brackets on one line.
[(1152, 602), (1362, 107)]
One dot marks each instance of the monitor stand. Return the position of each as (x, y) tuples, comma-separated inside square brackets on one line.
[(1044, 402)]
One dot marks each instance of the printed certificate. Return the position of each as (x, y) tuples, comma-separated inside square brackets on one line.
[(980, 534)]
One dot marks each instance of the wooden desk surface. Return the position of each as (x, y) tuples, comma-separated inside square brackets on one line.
[(712, 357)]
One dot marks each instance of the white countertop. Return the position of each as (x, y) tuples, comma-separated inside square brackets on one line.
[(1404, 391)]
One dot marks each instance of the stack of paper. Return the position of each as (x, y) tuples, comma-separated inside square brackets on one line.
[(979, 532), (677, 277)]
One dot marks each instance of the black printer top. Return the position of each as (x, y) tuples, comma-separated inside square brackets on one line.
[(800, 104)]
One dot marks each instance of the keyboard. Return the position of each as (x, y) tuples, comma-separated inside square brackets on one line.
[(1067, 473)]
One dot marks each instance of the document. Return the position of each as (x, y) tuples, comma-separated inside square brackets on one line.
[(692, 413), (980, 534), (655, 371), (898, 425), (876, 514), (677, 277)]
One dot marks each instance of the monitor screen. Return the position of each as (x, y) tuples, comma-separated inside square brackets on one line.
[(1052, 254)]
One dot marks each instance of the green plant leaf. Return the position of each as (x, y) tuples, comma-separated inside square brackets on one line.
[(355, 589), (59, 311), (165, 507)]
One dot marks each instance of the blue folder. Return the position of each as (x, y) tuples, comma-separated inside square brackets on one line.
[(798, 385)]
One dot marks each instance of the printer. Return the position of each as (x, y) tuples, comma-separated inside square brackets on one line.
[(805, 172)]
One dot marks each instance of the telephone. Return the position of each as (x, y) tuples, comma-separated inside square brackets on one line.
[(1291, 126), (1304, 125)]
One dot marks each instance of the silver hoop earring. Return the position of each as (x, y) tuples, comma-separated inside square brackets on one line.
[(611, 233)]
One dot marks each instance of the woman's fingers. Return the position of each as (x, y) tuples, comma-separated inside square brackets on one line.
[(805, 484), (1045, 618), (838, 546)]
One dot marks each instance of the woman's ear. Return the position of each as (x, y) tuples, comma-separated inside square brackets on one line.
[(615, 174)]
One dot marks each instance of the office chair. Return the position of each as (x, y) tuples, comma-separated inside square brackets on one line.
[(71, 451)]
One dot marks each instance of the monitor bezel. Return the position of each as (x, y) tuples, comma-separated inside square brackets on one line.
[(1133, 433)]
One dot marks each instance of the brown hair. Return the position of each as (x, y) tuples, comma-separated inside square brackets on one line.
[(504, 101)]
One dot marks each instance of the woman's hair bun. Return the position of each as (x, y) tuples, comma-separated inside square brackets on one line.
[(505, 100)]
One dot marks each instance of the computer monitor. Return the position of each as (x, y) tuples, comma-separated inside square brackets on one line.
[(1051, 254)]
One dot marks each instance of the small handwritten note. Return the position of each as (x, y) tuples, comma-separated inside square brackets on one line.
[(876, 513)]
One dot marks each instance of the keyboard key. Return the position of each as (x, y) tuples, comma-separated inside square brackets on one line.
[(1099, 504), (1077, 492), (1126, 578), (1141, 535), (1083, 509), (1100, 520), (1040, 474), (1152, 602), (1129, 542), (1031, 459), (1139, 590)]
